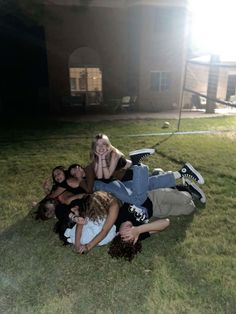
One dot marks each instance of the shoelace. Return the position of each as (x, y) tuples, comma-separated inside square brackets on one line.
[(189, 175), (144, 156)]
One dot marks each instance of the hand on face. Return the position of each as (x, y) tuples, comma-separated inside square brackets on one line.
[(128, 232), (75, 210), (74, 216), (80, 220)]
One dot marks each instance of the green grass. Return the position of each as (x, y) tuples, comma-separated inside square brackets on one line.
[(189, 268)]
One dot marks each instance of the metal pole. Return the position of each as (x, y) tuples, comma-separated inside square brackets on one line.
[(182, 94)]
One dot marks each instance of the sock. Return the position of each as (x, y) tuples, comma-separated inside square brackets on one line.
[(177, 174)]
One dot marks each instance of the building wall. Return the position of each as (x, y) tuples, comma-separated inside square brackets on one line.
[(129, 46), (162, 48)]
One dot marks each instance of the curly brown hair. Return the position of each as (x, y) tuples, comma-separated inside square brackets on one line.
[(98, 205), (119, 248)]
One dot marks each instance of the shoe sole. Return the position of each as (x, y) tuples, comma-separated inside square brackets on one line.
[(150, 151), (157, 171), (200, 178), (200, 191)]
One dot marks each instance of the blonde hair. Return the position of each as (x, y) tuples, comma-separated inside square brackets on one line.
[(110, 147), (98, 205)]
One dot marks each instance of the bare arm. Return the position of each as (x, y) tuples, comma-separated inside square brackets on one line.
[(109, 170), (47, 185), (89, 181), (132, 234), (128, 164), (73, 197), (110, 220), (78, 233), (99, 166), (58, 191)]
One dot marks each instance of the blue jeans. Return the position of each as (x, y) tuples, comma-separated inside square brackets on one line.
[(135, 191)]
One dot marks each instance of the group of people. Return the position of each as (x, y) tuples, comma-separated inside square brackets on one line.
[(113, 198)]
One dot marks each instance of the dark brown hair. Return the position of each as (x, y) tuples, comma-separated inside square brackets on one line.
[(72, 167), (40, 213), (119, 248), (62, 168)]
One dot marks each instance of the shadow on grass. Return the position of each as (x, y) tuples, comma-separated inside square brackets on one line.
[(190, 278), (37, 269), (39, 274), (206, 171)]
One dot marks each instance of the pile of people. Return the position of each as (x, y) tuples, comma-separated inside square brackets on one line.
[(113, 198)]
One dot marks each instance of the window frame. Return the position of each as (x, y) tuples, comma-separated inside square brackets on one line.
[(84, 76), (160, 81)]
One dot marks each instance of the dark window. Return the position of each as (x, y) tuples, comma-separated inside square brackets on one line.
[(160, 81)]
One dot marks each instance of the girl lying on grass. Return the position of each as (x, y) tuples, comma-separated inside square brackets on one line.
[(103, 212), (78, 180), (63, 189), (63, 182), (100, 211)]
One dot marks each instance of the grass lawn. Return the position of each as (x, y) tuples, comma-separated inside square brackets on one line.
[(189, 268)]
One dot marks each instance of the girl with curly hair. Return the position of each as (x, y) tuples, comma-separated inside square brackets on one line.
[(127, 243), (104, 216), (133, 226), (98, 227)]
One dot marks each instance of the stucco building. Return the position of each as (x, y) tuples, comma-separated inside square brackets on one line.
[(114, 48), (55, 53)]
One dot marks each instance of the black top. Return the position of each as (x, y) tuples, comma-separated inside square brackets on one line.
[(77, 190), (121, 163), (62, 211), (127, 175), (137, 215)]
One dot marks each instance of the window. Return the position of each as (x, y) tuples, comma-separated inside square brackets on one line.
[(160, 81), (73, 83), (85, 80)]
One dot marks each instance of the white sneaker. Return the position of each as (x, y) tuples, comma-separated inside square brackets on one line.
[(157, 171), (195, 190)]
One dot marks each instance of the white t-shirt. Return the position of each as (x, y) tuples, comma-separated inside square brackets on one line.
[(89, 231)]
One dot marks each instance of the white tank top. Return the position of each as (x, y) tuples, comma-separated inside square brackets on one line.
[(89, 231)]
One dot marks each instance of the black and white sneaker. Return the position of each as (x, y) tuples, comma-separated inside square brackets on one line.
[(195, 191), (189, 172), (137, 156)]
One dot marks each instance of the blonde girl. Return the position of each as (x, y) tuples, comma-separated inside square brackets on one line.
[(108, 161)]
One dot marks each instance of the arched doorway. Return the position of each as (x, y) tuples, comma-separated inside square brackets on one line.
[(85, 77)]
